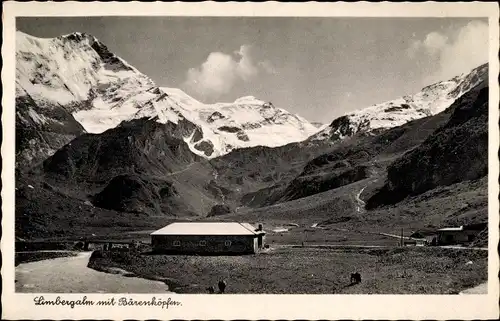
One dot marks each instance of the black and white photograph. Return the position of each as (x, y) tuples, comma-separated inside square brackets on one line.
[(222, 155)]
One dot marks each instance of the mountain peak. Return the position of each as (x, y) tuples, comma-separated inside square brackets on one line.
[(79, 37), (76, 37), (249, 100)]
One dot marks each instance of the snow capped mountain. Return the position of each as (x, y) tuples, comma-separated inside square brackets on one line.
[(246, 122), (78, 74), (74, 68), (429, 101)]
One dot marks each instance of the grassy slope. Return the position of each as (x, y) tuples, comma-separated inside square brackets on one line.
[(320, 271), (337, 209)]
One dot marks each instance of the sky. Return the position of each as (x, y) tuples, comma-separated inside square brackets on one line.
[(319, 68)]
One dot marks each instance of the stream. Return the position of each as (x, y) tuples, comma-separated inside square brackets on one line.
[(71, 275)]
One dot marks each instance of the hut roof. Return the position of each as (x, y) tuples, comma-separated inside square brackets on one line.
[(207, 228), (451, 229)]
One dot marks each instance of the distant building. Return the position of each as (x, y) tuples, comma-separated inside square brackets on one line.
[(449, 235), (458, 235), (208, 238)]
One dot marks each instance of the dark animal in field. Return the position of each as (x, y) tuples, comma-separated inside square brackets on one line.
[(222, 286), (210, 289), (355, 278)]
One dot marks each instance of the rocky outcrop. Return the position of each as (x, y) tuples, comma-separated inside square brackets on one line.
[(219, 209)]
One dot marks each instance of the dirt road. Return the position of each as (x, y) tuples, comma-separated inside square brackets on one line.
[(360, 203)]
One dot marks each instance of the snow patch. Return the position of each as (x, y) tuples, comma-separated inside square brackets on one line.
[(37, 118)]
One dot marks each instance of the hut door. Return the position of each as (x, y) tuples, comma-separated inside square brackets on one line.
[(259, 241)]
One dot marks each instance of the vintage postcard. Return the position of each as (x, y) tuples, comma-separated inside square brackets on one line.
[(250, 160)]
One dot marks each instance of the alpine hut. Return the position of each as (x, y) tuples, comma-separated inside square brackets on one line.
[(208, 238)]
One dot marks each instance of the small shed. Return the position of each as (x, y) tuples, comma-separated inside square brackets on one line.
[(208, 238)]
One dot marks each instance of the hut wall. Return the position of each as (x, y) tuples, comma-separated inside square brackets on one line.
[(204, 243)]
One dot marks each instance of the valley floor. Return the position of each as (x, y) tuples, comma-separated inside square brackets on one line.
[(313, 270)]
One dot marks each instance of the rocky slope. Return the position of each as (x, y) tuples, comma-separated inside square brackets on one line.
[(41, 129), (136, 194), (135, 166), (137, 146)]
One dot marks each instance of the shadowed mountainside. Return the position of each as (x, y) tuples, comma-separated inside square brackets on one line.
[(456, 152), (40, 134), (139, 146)]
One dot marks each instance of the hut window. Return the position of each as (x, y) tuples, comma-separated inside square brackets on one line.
[(227, 243), (177, 243), (203, 243)]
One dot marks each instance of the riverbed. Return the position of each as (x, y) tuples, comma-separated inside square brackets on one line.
[(71, 275)]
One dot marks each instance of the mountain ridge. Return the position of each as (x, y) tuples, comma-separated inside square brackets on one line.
[(431, 100)]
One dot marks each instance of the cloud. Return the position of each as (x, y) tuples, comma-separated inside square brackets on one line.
[(245, 68), (221, 72), (414, 49), (433, 43), (455, 54), (215, 75), (268, 67)]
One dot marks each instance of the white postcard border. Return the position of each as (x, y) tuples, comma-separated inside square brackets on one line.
[(20, 305)]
